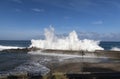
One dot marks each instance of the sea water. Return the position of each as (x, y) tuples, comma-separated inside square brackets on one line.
[(20, 61)]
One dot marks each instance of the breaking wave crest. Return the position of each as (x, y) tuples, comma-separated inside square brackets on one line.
[(71, 42), (115, 49), (9, 47)]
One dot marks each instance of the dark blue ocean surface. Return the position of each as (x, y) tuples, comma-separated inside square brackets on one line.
[(9, 61), (18, 43), (109, 45)]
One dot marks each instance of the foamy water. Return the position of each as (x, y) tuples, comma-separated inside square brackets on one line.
[(71, 42), (9, 47), (61, 57), (88, 55), (115, 49), (33, 68)]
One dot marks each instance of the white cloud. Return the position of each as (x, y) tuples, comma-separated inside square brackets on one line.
[(98, 22), (38, 10)]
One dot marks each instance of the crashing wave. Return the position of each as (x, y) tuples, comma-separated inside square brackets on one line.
[(71, 42)]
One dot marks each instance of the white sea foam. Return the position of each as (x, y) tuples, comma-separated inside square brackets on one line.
[(63, 57), (115, 49), (34, 68), (9, 47), (71, 42), (39, 52)]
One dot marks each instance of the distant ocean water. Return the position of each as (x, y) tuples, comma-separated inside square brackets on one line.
[(19, 43), (17, 61), (108, 45)]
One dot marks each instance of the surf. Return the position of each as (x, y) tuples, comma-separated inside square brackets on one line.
[(70, 42)]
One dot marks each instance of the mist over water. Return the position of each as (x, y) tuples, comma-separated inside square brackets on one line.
[(71, 42)]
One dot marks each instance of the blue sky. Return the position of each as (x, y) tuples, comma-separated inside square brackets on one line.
[(26, 19)]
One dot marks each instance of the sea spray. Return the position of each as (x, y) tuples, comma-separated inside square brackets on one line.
[(71, 42)]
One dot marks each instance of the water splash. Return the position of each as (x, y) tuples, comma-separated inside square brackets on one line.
[(71, 42), (115, 49)]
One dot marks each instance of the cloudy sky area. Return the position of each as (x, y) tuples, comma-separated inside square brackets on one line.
[(93, 19)]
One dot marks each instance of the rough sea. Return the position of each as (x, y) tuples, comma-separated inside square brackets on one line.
[(36, 63)]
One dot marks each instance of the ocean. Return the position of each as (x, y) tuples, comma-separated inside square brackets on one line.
[(11, 60), (36, 63), (108, 45)]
